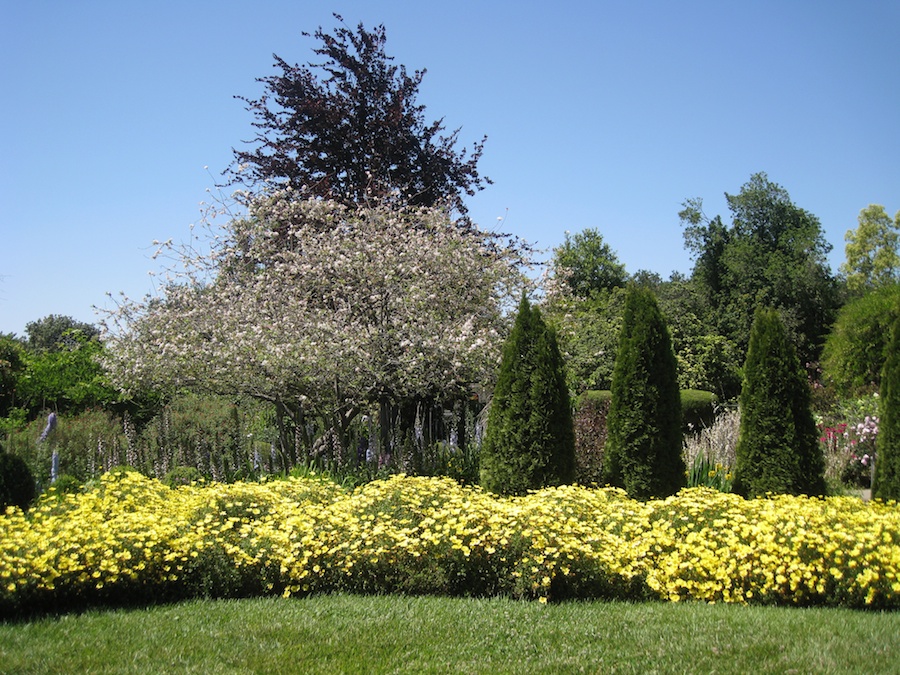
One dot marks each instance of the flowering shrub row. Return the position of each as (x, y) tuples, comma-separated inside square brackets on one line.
[(133, 539)]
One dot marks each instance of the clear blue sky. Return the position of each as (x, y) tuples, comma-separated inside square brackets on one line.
[(598, 114)]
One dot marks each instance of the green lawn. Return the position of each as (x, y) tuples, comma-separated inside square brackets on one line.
[(392, 634)]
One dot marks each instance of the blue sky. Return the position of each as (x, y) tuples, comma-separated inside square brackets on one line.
[(598, 114)]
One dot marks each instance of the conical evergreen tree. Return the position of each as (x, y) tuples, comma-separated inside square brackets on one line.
[(777, 449), (530, 441), (887, 462), (644, 442)]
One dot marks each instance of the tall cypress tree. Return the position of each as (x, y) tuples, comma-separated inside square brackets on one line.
[(777, 449), (530, 441), (644, 442), (887, 463)]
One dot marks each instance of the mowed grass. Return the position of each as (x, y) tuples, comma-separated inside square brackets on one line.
[(396, 634)]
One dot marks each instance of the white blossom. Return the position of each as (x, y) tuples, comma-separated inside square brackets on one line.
[(304, 298)]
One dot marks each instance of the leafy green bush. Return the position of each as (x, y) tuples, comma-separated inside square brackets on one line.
[(887, 463), (17, 486), (12, 365), (778, 449), (643, 449), (856, 349), (65, 485), (182, 475), (68, 380), (530, 441)]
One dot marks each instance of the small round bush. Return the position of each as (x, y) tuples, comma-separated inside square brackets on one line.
[(66, 484), (17, 486)]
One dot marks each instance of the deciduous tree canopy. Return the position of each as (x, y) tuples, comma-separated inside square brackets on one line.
[(773, 254), (350, 129), (307, 300), (872, 250)]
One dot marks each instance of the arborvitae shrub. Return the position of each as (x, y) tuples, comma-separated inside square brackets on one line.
[(17, 486), (529, 442), (778, 449), (643, 449), (887, 461)]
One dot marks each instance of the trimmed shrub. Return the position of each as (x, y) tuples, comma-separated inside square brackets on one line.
[(778, 449), (698, 409), (643, 449), (887, 462), (529, 442), (591, 411), (17, 486)]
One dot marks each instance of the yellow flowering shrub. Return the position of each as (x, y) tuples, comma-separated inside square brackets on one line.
[(132, 539)]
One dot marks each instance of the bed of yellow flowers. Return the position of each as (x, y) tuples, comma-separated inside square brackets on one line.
[(131, 538)]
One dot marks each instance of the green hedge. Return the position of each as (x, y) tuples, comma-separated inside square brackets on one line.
[(698, 408)]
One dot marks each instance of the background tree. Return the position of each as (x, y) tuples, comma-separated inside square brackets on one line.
[(529, 442), (706, 360), (56, 332), (777, 449), (584, 297), (586, 264), (773, 254), (68, 380), (324, 310), (12, 365), (350, 129), (887, 463), (857, 347), (872, 250), (643, 448)]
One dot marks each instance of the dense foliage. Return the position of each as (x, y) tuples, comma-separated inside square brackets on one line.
[(643, 448), (856, 348), (772, 254), (12, 366), (56, 332), (325, 311), (887, 465), (131, 539), (778, 450), (17, 486), (529, 442), (588, 332), (586, 264), (872, 251), (349, 129)]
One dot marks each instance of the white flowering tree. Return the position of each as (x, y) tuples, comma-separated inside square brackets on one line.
[(324, 310)]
